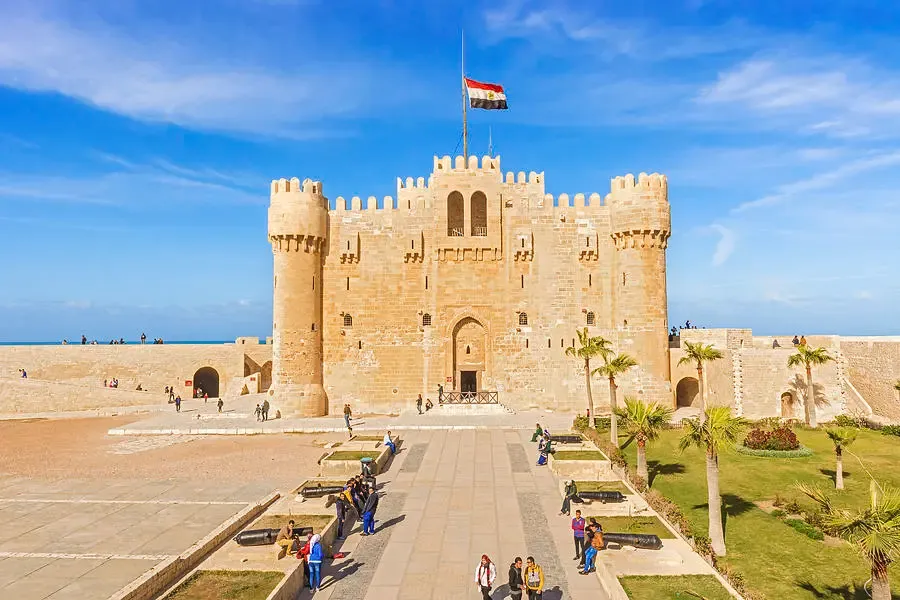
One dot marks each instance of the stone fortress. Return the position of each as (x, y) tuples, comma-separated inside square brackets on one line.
[(474, 280)]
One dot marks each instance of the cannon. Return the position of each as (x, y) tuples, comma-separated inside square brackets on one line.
[(320, 491), (643, 541), (603, 497), (570, 438), (265, 537)]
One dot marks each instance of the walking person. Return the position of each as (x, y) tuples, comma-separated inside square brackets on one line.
[(516, 582), (220, 404), (419, 404), (485, 574), (368, 511), (315, 562), (348, 414), (258, 412), (534, 579), (265, 410), (178, 404), (571, 492), (578, 535)]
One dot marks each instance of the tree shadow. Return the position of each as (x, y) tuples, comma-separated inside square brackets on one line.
[(654, 468), (553, 593), (832, 474), (800, 390), (848, 591), (732, 506)]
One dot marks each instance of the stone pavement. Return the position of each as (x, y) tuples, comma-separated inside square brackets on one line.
[(80, 540)]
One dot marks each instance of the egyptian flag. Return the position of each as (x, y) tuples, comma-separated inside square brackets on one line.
[(485, 95)]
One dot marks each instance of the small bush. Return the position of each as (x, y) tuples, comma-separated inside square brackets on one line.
[(757, 439), (805, 528), (814, 518), (891, 430), (778, 501), (580, 423), (846, 421), (793, 507), (780, 438), (605, 422), (777, 513)]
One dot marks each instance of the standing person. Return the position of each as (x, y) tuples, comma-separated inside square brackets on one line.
[(390, 443), (340, 509), (220, 404), (83, 339), (348, 414), (315, 562), (534, 579), (419, 404), (516, 582), (205, 397), (368, 511), (258, 412), (578, 534), (167, 388), (265, 410), (570, 493), (171, 392), (485, 574), (538, 432), (143, 338), (178, 404), (590, 553)]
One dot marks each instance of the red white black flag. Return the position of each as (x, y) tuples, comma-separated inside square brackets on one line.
[(485, 95)]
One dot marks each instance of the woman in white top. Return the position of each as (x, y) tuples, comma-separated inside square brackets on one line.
[(485, 573)]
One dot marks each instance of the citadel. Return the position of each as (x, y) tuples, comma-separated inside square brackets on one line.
[(472, 280)]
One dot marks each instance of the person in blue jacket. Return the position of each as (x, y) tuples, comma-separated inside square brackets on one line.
[(315, 562)]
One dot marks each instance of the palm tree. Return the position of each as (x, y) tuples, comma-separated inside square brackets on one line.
[(841, 437), (699, 353), (897, 385), (874, 530), (588, 348), (643, 422), (718, 431), (611, 369), (809, 357)]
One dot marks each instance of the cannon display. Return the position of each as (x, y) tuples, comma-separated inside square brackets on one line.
[(266, 537), (570, 438), (320, 491), (644, 541), (603, 497)]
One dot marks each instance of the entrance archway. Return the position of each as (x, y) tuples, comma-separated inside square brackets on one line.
[(207, 379), (787, 405), (265, 376), (687, 392), (469, 350)]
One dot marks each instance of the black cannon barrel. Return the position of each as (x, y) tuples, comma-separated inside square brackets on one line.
[(319, 491), (567, 439), (266, 537), (645, 541), (604, 497)]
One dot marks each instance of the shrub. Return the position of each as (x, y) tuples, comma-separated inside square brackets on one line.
[(891, 430), (757, 439), (779, 438), (805, 528), (604, 423), (800, 452), (793, 507), (846, 421), (777, 513), (580, 423), (778, 501)]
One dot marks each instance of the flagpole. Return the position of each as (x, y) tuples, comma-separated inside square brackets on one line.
[(490, 141), (464, 103)]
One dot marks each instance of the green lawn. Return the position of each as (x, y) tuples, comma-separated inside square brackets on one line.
[(774, 559), (317, 522), (578, 455), (352, 455), (367, 438), (227, 585), (624, 524), (674, 588), (602, 486)]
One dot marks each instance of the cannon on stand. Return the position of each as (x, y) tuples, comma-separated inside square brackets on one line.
[(319, 491), (603, 497), (266, 537), (644, 541), (567, 438)]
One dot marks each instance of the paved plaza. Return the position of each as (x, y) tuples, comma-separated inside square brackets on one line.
[(84, 540)]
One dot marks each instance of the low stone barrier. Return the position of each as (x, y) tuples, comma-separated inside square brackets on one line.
[(348, 468)]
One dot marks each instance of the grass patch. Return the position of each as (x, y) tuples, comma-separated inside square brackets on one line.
[(578, 455), (805, 528), (648, 525), (676, 587), (602, 486), (774, 561), (227, 585), (367, 438), (317, 522), (800, 452), (352, 455)]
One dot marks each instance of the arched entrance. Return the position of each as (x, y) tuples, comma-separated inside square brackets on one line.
[(469, 349), (687, 392), (265, 376), (787, 405), (207, 379)]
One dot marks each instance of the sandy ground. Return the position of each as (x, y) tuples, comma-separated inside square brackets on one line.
[(80, 448)]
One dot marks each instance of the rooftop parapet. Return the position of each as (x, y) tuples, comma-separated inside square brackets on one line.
[(444, 164), (297, 209), (342, 204), (653, 181)]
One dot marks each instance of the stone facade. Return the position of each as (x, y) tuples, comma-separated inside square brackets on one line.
[(473, 280)]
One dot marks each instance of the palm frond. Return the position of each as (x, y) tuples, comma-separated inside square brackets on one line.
[(808, 357), (698, 353), (720, 431), (841, 437)]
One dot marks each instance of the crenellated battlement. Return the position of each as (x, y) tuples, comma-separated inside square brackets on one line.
[(578, 200), (308, 186), (653, 181), (444, 164), (417, 184), (342, 204)]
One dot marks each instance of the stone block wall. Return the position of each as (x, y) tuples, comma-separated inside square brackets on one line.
[(873, 367)]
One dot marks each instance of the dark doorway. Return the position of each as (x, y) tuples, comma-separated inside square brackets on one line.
[(468, 381), (207, 379)]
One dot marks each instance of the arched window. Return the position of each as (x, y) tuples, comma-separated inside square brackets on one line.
[(426, 320), (479, 214), (468, 350), (348, 320), (523, 318), (456, 216), (590, 318)]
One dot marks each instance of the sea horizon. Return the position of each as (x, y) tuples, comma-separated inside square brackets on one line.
[(127, 343)]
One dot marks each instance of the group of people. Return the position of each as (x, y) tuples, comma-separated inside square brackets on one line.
[(588, 536), (262, 411), (311, 553), (545, 444), (360, 497), (428, 405), (112, 383), (524, 581)]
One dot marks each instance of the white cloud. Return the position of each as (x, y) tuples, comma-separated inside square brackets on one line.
[(725, 246)]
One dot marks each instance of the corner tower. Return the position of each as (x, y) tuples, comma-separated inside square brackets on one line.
[(297, 231), (641, 224)]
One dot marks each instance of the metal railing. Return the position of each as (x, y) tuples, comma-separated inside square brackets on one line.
[(469, 398), (455, 231), (479, 231)]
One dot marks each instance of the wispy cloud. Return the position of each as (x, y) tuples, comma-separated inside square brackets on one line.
[(725, 246)]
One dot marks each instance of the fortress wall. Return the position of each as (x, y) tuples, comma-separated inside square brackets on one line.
[(719, 376), (873, 367), (28, 396), (151, 366)]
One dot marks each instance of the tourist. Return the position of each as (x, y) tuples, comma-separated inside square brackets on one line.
[(315, 562), (220, 404), (258, 412), (590, 553), (284, 539), (485, 574), (419, 404), (538, 432), (534, 579), (178, 404), (348, 414), (516, 583), (428, 404), (545, 448), (265, 410), (571, 491), (390, 443), (349, 495), (143, 338), (796, 340), (172, 393), (802, 340), (24, 374), (775, 343), (340, 509), (65, 342), (83, 340), (578, 534), (205, 397), (369, 508), (167, 387), (303, 554)]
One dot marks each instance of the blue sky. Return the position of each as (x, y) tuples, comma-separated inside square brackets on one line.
[(137, 140)]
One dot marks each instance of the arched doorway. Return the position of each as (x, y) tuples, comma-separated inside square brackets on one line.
[(687, 392), (478, 204), (469, 350), (456, 215), (265, 376), (787, 405), (207, 379)]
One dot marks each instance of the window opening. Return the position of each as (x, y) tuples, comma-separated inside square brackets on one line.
[(348, 321)]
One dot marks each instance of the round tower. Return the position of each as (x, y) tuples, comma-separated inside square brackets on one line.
[(297, 231), (641, 224)]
